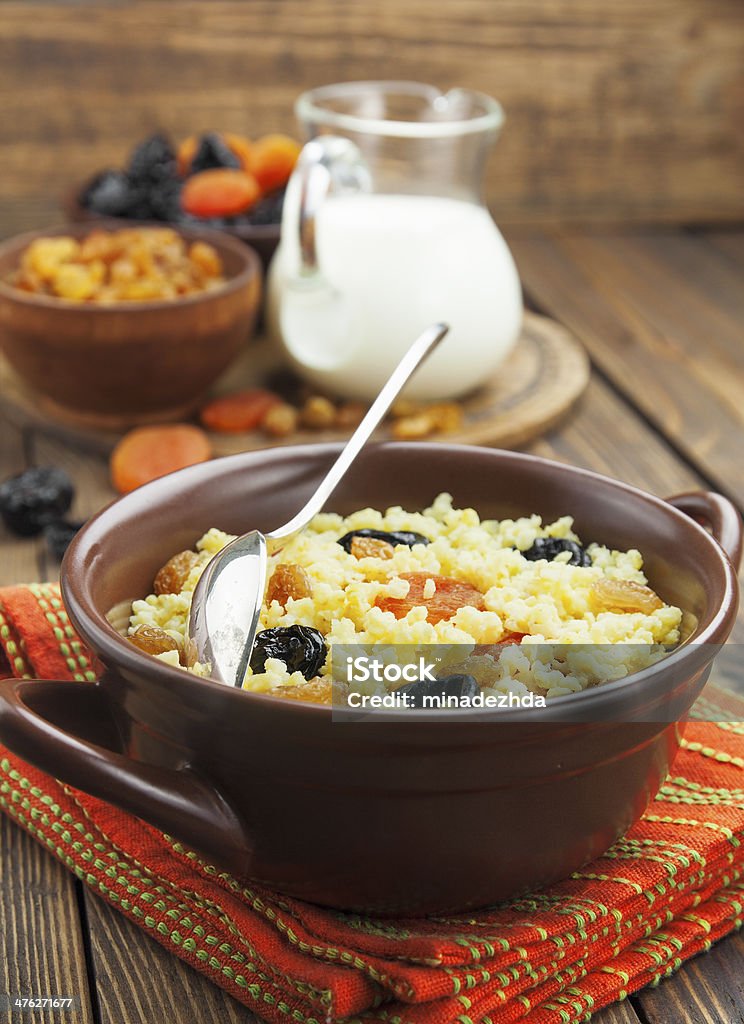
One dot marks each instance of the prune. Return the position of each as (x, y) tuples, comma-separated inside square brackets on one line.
[(448, 686), (549, 547), (212, 151), (267, 210), (58, 536), (153, 160), (449, 595), (31, 500), (407, 537), (112, 194), (301, 648), (165, 200)]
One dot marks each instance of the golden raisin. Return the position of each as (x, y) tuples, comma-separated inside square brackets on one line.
[(350, 414), (412, 428), (318, 412), (315, 691), (406, 407), (172, 576), (289, 580), (447, 416), (625, 596), (206, 258), (154, 640), (371, 547), (189, 654), (137, 264), (280, 420)]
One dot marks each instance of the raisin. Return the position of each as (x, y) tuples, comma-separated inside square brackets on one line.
[(288, 581), (154, 640), (58, 536), (549, 547), (371, 547), (450, 594), (448, 686), (268, 210), (301, 648), (171, 577), (33, 499), (625, 596), (212, 151), (407, 537)]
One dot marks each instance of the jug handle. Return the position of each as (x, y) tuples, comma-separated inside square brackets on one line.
[(326, 163), (176, 800)]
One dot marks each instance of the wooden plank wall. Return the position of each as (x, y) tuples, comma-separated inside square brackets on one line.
[(629, 111)]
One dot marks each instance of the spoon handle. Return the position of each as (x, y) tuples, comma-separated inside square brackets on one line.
[(416, 354)]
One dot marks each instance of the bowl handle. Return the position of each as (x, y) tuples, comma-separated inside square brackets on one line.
[(717, 512), (178, 801)]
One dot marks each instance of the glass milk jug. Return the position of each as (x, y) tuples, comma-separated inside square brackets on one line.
[(384, 231)]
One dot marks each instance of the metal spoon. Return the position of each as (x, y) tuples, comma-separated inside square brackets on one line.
[(227, 600)]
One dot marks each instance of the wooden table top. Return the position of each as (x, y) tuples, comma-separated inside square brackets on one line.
[(661, 313)]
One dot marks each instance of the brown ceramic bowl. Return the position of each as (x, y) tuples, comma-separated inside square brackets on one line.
[(128, 362), (264, 238), (394, 817)]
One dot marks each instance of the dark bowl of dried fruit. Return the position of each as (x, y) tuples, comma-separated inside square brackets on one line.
[(217, 180), (110, 326), (407, 815)]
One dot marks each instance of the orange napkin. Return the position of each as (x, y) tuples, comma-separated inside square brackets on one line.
[(664, 892)]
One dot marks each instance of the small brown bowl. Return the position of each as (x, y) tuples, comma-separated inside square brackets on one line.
[(410, 816), (264, 238), (128, 362)]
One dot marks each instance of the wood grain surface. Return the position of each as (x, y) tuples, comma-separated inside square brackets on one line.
[(626, 111), (529, 392), (639, 301), (663, 321), (42, 934)]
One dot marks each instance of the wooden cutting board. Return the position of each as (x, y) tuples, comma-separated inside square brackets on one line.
[(535, 386)]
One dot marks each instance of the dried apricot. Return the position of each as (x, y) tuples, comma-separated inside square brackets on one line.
[(288, 580), (242, 148), (153, 640), (371, 547), (147, 453), (238, 412), (219, 192), (625, 596), (186, 153), (171, 577), (272, 160), (449, 595)]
